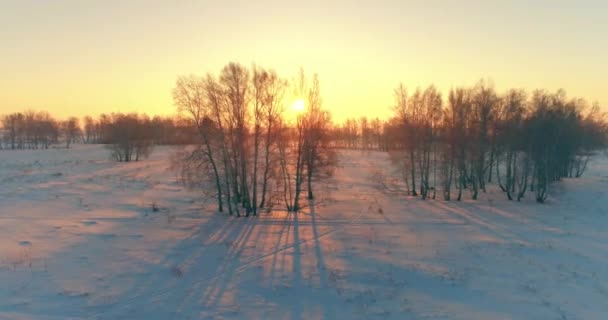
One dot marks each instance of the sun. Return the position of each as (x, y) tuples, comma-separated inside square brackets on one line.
[(298, 105)]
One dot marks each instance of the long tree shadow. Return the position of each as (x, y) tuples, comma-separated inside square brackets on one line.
[(283, 235), (214, 291), (296, 310), (186, 267), (319, 256)]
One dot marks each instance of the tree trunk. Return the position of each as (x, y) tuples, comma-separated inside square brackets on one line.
[(218, 184), (266, 165), (255, 170), (413, 172)]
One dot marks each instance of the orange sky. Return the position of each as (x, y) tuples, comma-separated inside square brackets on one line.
[(85, 57)]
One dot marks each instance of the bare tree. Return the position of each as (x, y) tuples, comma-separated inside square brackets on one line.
[(484, 101), (316, 124), (447, 147), (376, 132), (71, 130), (91, 134), (407, 113), (508, 130), (430, 115), (129, 137), (189, 95), (234, 80), (272, 110), (13, 129), (304, 149)]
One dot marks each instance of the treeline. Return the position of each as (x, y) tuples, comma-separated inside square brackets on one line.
[(39, 130), (240, 137), (362, 133), (157, 130), (253, 154), (522, 141), (31, 130)]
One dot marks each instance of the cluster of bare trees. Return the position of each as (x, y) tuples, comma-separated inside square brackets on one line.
[(524, 142), (71, 131), (416, 129), (29, 130), (253, 154), (161, 130), (256, 155), (362, 133), (129, 137), (308, 143)]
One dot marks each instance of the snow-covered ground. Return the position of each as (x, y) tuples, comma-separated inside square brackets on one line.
[(79, 240)]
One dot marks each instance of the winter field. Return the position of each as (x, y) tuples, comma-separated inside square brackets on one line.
[(79, 239)]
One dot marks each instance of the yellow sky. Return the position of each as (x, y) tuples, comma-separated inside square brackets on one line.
[(88, 57)]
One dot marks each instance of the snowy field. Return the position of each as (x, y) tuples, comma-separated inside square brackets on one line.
[(79, 240)]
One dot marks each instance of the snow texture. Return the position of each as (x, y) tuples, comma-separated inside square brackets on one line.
[(79, 239)]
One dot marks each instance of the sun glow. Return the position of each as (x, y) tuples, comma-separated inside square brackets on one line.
[(298, 105)]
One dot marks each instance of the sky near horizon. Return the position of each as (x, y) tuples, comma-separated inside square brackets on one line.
[(89, 57)]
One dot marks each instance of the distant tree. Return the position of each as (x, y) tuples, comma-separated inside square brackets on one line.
[(406, 109), (508, 145), (592, 136), (460, 109), (90, 130), (352, 133), (316, 123), (129, 137), (364, 132), (430, 116), (484, 103), (71, 130), (447, 150), (13, 125), (376, 132)]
